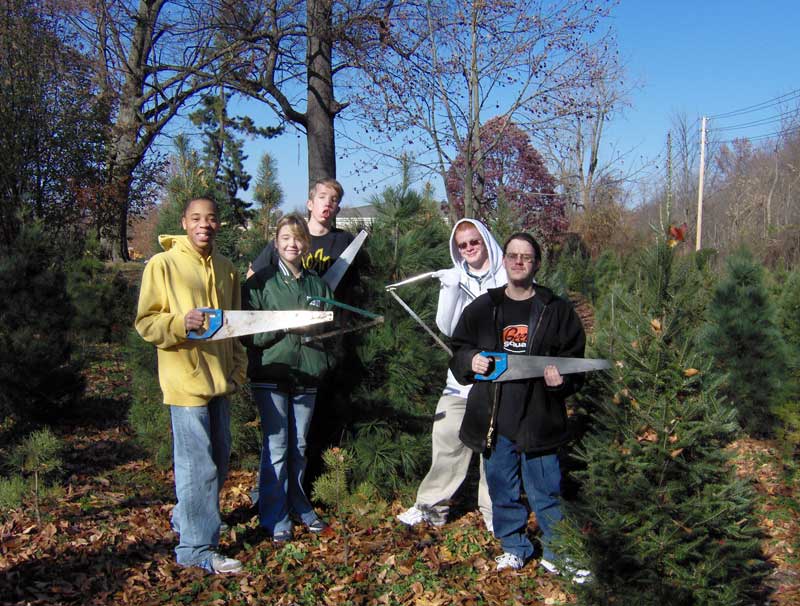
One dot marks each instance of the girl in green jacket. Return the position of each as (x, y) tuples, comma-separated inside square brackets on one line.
[(284, 373)]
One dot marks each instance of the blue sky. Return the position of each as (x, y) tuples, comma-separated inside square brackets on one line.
[(705, 57)]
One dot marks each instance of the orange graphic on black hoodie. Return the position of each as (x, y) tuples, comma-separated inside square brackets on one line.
[(515, 338)]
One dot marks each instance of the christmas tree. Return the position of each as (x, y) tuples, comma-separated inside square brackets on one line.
[(743, 338), (389, 416), (660, 517)]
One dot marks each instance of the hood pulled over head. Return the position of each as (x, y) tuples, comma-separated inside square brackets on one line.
[(492, 247)]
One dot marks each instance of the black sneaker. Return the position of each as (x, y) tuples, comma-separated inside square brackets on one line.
[(317, 526)]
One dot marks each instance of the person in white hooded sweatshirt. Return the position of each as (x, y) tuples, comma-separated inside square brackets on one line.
[(477, 266)]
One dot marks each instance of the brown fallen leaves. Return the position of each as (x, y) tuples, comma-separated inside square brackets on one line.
[(759, 462), (106, 540)]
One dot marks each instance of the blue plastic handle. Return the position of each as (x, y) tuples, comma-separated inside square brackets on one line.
[(214, 317), (500, 365)]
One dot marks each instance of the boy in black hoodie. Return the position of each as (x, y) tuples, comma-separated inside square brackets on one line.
[(518, 425)]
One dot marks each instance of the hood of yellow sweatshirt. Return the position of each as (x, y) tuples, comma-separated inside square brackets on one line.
[(182, 243)]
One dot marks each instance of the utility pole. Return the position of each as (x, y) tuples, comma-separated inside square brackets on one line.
[(700, 184)]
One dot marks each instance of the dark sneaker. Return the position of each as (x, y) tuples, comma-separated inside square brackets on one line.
[(317, 526), (282, 536)]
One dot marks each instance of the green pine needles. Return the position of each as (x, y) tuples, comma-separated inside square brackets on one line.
[(661, 517), (389, 413), (743, 338)]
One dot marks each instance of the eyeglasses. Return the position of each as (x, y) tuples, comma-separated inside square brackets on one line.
[(524, 257), (463, 245)]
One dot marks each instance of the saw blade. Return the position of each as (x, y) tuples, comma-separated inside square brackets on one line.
[(228, 324), (518, 367)]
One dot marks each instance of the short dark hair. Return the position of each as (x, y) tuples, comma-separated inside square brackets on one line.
[(188, 203), (521, 235)]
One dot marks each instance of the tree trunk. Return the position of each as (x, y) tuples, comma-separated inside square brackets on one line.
[(127, 151), (321, 108), (126, 156)]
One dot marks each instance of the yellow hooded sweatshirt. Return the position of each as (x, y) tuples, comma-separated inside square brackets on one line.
[(175, 282)]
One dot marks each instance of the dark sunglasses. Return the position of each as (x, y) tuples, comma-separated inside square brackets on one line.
[(463, 245)]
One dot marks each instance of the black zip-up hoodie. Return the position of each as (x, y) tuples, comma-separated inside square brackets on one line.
[(558, 332)]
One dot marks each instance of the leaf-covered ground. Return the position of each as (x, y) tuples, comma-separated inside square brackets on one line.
[(106, 539)]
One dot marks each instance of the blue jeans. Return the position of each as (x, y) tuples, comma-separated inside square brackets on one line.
[(201, 448), (285, 419), (541, 478)]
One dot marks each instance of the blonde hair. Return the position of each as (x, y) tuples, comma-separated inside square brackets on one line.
[(332, 183), (297, 226)]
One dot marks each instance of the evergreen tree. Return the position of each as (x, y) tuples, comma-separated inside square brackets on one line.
[(743, 339), (660, 517), (38, 456), (36, 373), (269, 197), (787, 409), (189, 180), (223, 151), (404, 370)]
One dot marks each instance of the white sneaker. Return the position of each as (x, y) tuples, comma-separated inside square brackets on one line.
[(579, 575), (412, 516), (415, 515), (219, 564), (509, 560)]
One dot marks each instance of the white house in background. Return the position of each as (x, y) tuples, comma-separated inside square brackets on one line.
[(351, 218)]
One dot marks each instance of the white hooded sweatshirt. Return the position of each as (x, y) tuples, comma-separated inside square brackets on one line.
[(456, 281)]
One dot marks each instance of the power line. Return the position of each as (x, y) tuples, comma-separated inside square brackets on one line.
[(759, 122), (784, 131), (759, 106)]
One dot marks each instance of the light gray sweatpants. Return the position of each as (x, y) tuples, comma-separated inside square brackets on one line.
[(449, 464)]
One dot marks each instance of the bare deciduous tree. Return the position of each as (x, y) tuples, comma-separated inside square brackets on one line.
[(445, 67), (152, 56)]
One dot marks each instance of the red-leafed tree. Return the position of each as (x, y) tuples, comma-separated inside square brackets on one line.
[(516, 182)]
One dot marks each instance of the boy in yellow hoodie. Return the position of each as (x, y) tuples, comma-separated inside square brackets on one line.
[(195, 376)]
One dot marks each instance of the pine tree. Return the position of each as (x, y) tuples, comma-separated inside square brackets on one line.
[(191, 179), (743, 339), (660, 517), (36, 370), (404, 371), (269, 197), (38, 456), (223, 151), (787, 409)]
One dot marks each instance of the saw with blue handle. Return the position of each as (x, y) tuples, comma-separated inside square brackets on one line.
[(228, 324), (518, 367)]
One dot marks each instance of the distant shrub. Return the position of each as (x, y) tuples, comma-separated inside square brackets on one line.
[(38, 458), (103, 300), (788, 319), (148, 416), (36, 372), (12, 493), (742, 337)]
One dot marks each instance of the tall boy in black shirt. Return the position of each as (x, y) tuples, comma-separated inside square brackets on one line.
[(518, 425)]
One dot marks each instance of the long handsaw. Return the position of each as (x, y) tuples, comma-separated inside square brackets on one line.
[(375, 320), (515, 367), (336, 271), (228, 324), (390, 288), (425, 276)]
